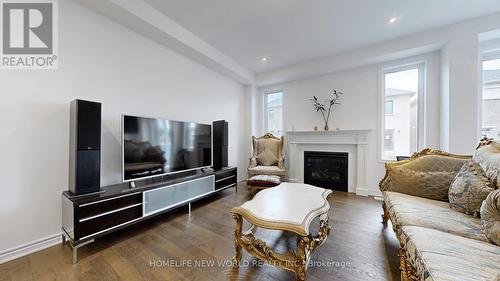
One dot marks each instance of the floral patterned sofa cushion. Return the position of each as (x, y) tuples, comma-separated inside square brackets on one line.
[(490, 216), (488, 156), (407, 210), (440, 256), (469, 189)]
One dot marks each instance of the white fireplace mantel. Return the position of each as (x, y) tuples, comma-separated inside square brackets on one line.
[(354, 142)]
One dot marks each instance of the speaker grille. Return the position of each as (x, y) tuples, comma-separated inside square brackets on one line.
[(220, 143), (89, 125)]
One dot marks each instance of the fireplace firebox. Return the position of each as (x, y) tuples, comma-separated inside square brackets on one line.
[(326, 169)]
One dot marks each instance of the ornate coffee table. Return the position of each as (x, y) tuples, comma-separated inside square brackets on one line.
[(288, 207)]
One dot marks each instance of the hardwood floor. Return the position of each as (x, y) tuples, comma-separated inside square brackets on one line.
[(167, 247)]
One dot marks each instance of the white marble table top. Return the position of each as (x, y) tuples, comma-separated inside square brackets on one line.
[(288, 206)]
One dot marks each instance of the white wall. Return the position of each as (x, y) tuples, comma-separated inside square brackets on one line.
[(460, 115), (359, 106), (459, 109), (102, 61)]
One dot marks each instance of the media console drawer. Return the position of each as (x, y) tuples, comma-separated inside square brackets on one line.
[(226, 178), (93, 225), (103, 206), (225, 182), (224, 174)]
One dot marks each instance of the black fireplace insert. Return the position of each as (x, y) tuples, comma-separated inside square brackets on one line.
[(326, 169)]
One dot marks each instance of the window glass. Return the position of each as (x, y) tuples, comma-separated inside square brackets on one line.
[(491, 99), (401, 113), (274, 113), (389, 107)]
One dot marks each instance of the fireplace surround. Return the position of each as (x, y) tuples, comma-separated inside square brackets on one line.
[(354, 142)]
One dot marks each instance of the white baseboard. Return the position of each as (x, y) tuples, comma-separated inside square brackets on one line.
[(31, 247), (367, 192)]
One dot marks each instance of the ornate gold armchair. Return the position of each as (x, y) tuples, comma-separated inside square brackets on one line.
[(267, 157)]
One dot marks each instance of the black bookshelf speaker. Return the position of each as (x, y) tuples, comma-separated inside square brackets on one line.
[(220, 143), (85, 147)]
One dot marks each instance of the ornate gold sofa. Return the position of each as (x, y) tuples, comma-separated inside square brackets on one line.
[(436, 242), (267, 157)]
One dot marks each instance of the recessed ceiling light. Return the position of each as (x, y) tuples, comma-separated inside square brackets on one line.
[(393, 20), (264, 59)]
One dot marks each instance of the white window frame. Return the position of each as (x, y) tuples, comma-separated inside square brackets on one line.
[(266, 94), (396, 67), (486, 55), (488, 50)]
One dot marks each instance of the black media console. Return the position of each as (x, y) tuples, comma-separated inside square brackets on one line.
[(117, 206)]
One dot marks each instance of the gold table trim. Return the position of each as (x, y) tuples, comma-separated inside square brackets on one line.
[(294, 260)]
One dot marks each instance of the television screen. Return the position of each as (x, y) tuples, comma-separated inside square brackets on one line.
[(153, 147)]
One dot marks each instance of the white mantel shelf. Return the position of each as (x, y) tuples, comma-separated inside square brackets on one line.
[(328, 137), (355, 142), (331, 132)]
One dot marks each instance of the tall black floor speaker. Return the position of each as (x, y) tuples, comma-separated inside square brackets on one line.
[(85, 147), (220, 143)]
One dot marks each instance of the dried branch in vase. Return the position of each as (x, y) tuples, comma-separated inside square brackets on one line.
[(320, 107)]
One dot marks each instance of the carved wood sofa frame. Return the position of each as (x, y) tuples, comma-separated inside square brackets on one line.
[(408, 272)]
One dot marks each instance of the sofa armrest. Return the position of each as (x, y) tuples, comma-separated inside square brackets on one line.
[(252, 162), (426, 174), (281, 163)]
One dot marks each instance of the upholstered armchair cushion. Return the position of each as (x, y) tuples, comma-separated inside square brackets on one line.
[(426, 174), (469, 189), (264, 181), (267, 158), (488, 156), (266, 170), (270, 143), (490, 216)]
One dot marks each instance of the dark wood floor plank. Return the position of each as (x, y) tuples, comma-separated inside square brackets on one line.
[(358, 248)]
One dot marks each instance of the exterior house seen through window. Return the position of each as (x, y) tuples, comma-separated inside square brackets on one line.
[(400, 118), (491, 99), (274, 113)]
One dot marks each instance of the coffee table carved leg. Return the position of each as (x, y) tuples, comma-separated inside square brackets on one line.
[(324, 231), (302, 253), (294, 260), (237, 237)]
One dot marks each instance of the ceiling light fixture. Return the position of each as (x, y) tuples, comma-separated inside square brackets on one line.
[(264, 59), (393, 20)]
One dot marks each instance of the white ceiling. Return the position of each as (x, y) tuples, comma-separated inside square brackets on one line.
[(292, 31)]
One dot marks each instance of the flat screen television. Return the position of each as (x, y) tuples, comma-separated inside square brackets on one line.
[(153, 147)]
